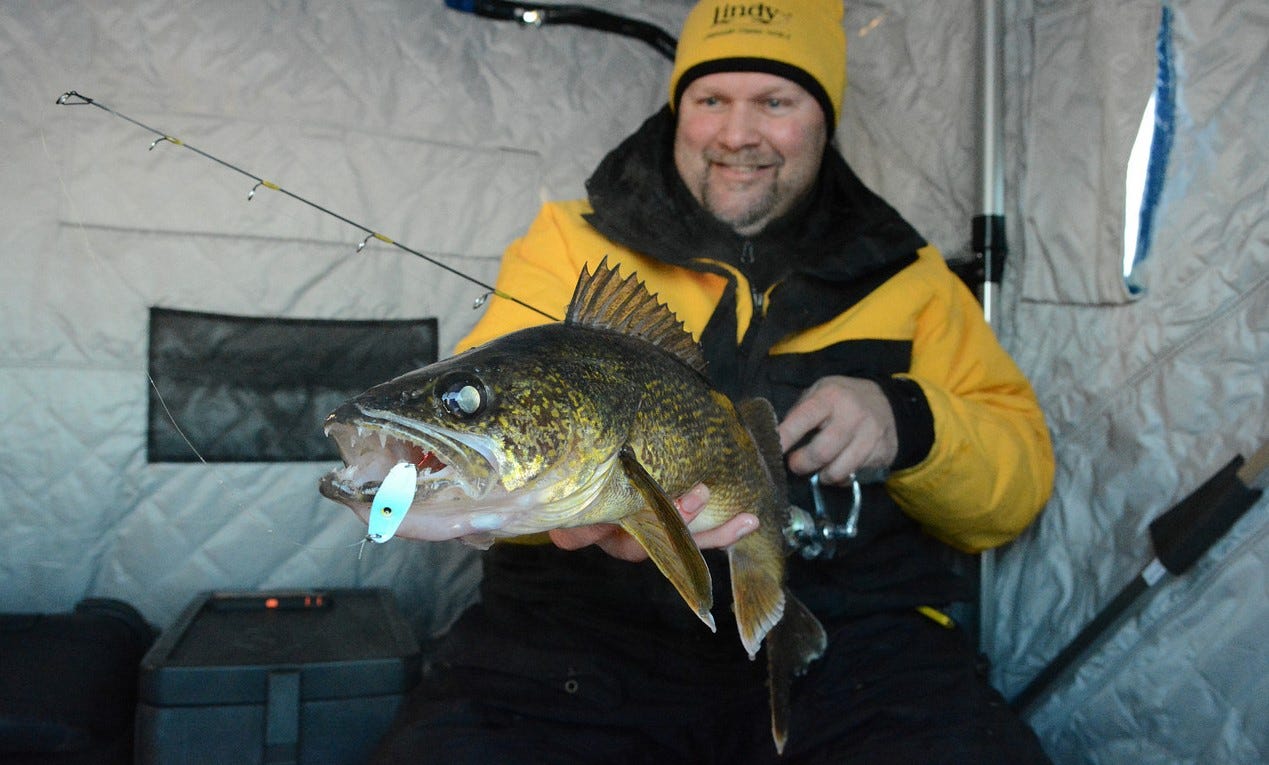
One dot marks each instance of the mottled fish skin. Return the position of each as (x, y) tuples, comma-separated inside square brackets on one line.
[(603, 418)]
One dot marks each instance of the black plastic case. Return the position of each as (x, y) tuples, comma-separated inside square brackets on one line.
[(312, 677)]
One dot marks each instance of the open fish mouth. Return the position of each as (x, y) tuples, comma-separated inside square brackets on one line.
[(448, 472)]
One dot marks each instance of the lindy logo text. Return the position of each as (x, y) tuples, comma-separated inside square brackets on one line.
[(760, 12)]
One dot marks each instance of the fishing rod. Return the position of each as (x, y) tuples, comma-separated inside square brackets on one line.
[(72, 98)]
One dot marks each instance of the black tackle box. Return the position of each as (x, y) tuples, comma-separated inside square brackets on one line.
[(312, 677)]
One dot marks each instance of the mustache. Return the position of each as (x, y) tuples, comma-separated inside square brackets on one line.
[(743, 157)]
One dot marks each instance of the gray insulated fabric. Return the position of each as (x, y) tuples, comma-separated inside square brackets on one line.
[(445, 131), (1147, 395)]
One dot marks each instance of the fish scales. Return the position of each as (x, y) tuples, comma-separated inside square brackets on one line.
[(604, 418)]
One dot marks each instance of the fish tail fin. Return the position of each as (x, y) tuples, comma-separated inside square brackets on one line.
[(793, 644)]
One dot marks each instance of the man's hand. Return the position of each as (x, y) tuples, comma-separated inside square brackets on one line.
[(853, 428), (616, 542)]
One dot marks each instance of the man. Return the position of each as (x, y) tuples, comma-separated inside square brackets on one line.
[(806, 289)]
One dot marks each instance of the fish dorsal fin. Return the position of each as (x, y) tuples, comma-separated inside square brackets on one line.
[(604, 300), (761, 421)]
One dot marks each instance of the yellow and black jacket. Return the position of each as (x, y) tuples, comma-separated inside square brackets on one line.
[(842, 285)]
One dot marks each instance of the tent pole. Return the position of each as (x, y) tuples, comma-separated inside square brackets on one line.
[(989, 224), (988, 234)]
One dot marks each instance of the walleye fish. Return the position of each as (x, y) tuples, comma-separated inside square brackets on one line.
[(603, 418)]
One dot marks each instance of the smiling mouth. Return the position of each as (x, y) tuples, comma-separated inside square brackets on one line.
[(743, 161), (740, 168)]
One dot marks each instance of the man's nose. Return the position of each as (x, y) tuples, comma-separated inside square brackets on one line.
[(740, 128)]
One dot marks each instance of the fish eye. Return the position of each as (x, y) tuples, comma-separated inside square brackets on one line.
[(463, 395)]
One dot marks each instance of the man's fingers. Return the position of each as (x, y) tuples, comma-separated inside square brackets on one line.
[(582, 536), (818, 451), (727, 534), (808, 415), (692, 502), (852, 424)]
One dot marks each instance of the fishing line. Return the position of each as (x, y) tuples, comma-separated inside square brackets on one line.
[(242, 504), (73, 98), (255, 515), (236, 497)]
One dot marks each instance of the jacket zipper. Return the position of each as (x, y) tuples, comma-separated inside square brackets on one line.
[(745, 351), (755, 295)]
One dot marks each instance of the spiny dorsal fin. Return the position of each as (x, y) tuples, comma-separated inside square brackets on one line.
[(604, 300)]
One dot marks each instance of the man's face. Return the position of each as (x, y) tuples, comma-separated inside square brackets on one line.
[(748, 146)]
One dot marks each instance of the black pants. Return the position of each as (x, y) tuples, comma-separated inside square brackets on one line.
[(892, 687)]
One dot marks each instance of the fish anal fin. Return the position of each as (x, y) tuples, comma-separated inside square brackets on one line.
[(757, 591), (792, 645), (660, 530)]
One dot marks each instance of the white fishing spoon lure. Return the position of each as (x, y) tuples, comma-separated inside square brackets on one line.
[(392, 502)]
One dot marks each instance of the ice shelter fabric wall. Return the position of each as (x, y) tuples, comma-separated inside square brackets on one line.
[(439, 129), (444, 131), (1147, 398)]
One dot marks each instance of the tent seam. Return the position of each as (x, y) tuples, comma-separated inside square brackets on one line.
[(1134, 381)]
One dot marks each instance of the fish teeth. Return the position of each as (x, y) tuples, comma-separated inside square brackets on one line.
[(383, 440)]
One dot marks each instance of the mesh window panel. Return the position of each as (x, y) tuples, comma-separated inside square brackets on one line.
[(255, 389)]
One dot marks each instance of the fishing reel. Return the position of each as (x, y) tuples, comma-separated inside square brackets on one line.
[(815, 536)]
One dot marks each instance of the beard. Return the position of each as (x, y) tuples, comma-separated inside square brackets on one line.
[(756, 210), (746, 209)]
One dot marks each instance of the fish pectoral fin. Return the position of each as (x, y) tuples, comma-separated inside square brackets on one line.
[(660, 530), (792, 645), (757, 589)]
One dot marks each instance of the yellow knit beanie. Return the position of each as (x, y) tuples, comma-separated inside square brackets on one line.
[(800, 40)]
